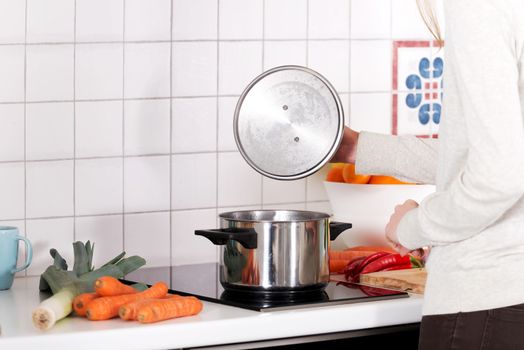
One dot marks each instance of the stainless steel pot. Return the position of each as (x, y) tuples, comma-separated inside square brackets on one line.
[(274, 250)]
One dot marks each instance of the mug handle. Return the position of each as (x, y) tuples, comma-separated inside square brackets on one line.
[(29, 254)]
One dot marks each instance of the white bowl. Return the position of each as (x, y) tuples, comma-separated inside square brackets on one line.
[(368, 208)]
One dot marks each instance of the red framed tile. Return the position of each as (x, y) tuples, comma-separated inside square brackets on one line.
[(417, 88)]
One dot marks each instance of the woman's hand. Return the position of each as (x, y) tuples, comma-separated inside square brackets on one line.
[(391, 227), (347, 150)]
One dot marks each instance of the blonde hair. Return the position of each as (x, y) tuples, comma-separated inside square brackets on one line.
[(427, 11)]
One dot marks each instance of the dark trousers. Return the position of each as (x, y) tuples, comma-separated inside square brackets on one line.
[(501, 328)]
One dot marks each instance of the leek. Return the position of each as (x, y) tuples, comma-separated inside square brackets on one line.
[(66, 285)]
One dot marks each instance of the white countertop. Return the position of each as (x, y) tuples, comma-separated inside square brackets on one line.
[(216, 324)]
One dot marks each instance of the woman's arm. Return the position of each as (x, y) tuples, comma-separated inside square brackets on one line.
[(481, 49), (406, 157)]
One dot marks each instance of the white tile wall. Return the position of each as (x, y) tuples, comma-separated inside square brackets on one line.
[(371, 65), (406, 21), (105, 231), (238, 183), (12, 126), (147, 68), (147, 20), (12, 176), (194, 183), (98, 186), (100, 121), (280, 53), (371, 112), (99, 20), (50, 21), (148, 235), (241, 19), (146, 184), (187, 248), (194, 71), (49, 189), (331, 59), (45, 234), (239, 63), (194, 124), (50, 130), (329, 20), (117, 114), (99, 73), (12, 21), (147, 127), (226, 111), (11, 73), (285, 19), (371, 19), (195, 19), (49, 72)]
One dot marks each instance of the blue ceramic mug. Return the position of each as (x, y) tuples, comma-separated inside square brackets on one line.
[(9, 238)]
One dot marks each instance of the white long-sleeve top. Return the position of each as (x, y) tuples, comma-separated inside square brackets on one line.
[(474, 222)]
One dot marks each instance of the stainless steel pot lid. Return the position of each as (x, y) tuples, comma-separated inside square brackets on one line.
[(273, 215), (288, 122)]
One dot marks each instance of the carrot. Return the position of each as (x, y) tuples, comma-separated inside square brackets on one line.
[(104, 308), (371, 249), (129, 311), (80, 302), (337, 266), (159, 310), (348, 255), (107, 286)]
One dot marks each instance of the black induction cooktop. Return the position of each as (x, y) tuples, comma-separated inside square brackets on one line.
[(202, 281)]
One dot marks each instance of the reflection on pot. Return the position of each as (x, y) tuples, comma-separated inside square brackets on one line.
[(250, 273), (234, 261)]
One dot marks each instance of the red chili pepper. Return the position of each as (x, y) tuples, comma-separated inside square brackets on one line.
[(375, 292), (349, 270), (398, 267), (386, 262), (369, 259)]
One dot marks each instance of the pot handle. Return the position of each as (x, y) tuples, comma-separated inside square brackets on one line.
[(336, 228), (245, 236)]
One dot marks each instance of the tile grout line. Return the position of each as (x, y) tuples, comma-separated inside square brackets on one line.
[(25, 128), (390, 117), (348, 113), (109, 42), (154, 211), (172, 97), (307, 65), (171, 143), (123, 124), (112, 157), (74, 124), (262, 63), (217, 158)]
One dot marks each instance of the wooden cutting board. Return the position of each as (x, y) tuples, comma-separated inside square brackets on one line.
[(412, 280)]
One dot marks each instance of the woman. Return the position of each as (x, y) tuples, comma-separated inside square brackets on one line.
[(474, 223)]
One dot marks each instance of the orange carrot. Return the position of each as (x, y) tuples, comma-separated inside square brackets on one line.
[(337, 266), (371, 249), (104, 308), (348, 255), (129, 311), (80, 302), (159, 310), (107, 286)]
